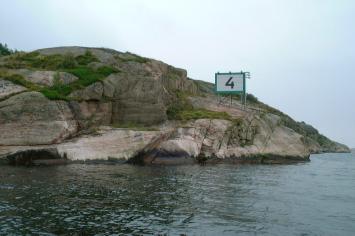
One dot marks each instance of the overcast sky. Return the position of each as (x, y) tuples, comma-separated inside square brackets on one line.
[(301, 53)]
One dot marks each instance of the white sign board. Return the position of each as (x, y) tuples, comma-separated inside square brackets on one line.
[(230, 82)]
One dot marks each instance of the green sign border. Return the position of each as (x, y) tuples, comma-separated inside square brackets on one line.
[(229, 92)]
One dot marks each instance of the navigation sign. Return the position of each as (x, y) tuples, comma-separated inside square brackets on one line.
[(230, 83)]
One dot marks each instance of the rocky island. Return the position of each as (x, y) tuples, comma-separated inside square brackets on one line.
[(87, 104)]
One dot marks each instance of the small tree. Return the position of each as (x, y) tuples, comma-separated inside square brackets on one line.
[(4, 50)]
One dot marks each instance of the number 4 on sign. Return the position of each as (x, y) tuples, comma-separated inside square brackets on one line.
[(230, 83)]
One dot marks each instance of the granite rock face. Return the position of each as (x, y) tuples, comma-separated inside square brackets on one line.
[(199, 141), (107, 144), (45, 78), (90, 114), (8, 88), (204, 140), (93, 92), (138, 95), (136, 99), (31, 119), (141, 91)]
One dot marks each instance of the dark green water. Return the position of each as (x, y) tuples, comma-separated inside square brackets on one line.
[(315, 198)]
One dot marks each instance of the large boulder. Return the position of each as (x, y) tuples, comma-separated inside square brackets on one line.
[(30, 118)]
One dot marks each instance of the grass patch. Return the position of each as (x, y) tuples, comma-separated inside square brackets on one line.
[(77, 66), (89, 76), (127, 57), (49, 62), (87, 58), (86, 76), (53, 94), (180, 104), (195, 114), (50, 93), (19, 80), (182, 109)]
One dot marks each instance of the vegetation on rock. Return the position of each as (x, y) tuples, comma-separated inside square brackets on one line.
[(19, 80), (181, 109), (85, 59), (127, 57), (307, 131), (77, 66), (35, 60), (4, 50), (140, 95)]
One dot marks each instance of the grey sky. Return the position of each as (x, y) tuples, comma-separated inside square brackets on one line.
[(301, 53)]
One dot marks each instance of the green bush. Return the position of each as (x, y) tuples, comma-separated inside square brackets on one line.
[(87, 58), (56, 79), (251, 98), (4, 50), (53, 94), (180, 104), (68, 61)]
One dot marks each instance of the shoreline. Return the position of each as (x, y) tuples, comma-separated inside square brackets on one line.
[(251, 160)]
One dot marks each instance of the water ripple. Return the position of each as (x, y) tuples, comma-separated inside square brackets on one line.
[(316, 198)]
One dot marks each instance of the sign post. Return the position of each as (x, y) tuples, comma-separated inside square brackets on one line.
[(231, 83)]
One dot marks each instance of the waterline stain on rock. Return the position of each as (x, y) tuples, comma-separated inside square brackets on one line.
[(36, 157)]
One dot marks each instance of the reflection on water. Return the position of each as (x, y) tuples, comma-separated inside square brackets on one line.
[(316, 198)]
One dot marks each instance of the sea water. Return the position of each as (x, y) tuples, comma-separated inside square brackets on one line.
[(313, 198)]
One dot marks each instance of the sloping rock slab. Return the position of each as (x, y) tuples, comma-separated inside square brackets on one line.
[(92, 92), (30, 118), (108, 144), (8, 88), (46, 78), (211, 141)]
